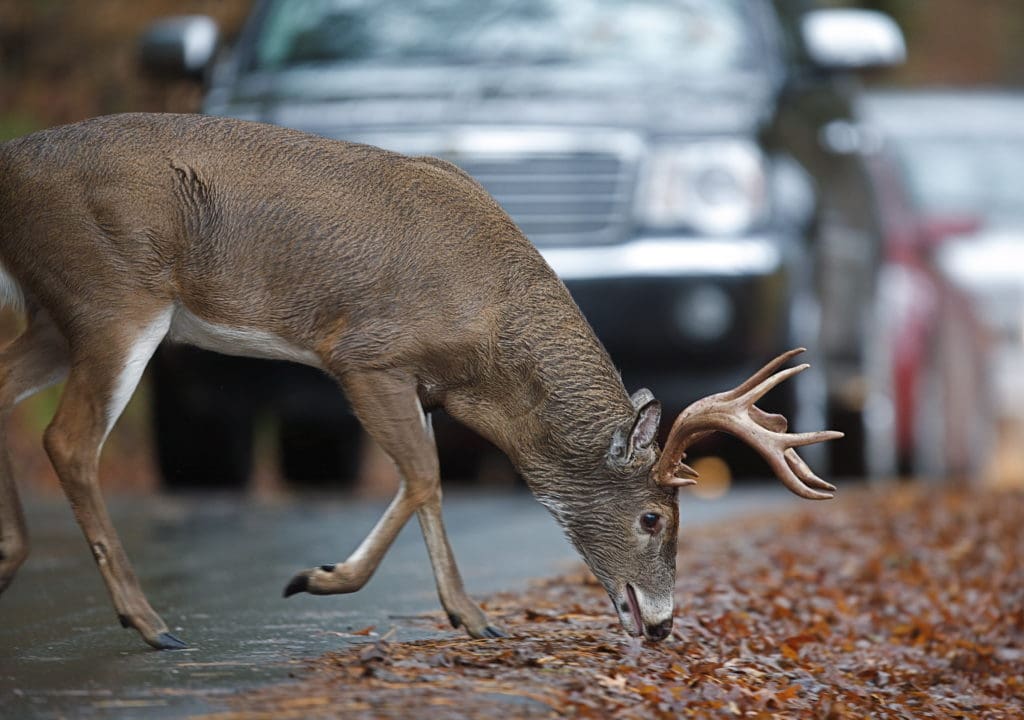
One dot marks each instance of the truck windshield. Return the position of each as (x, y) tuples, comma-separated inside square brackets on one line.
[(677, 37)]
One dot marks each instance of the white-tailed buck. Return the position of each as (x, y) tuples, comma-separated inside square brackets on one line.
[(400, 277)]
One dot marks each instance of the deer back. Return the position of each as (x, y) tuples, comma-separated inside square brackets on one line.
[(358, 256)]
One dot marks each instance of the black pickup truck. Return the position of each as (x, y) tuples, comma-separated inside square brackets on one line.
[(690, 168)]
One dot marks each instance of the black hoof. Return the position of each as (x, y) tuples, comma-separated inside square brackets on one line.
[(493, 632), (299, 583), (166, 641)]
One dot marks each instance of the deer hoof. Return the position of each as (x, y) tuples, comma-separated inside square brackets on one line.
[(487, 631), (299, 583), (166, 641)]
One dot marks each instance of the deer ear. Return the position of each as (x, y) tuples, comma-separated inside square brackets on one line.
[(648, 419), (641, 432)]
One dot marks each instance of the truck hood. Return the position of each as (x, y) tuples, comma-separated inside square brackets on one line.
[(337, 103)]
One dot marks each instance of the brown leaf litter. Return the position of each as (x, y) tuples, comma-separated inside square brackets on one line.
[(905, 603)]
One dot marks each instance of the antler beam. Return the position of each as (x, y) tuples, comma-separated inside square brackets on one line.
[(734, 412)]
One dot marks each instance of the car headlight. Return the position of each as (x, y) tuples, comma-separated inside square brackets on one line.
[(715, 187)]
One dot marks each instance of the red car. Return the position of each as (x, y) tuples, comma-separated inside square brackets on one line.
[(928, 409)]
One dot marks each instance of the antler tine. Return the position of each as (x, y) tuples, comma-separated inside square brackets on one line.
[(765, 372), (762, 388), (795, 440), (772, 421), (734, 412), (804, 472), (792, 480)]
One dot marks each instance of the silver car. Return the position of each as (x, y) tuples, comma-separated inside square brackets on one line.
[(967, 160)]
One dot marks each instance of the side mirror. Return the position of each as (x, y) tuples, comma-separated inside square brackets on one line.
[(181, 46), (838, 39)]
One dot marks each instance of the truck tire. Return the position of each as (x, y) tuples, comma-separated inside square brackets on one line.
[(204, 435)]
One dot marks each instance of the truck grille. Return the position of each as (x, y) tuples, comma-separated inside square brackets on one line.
[(569, 198)]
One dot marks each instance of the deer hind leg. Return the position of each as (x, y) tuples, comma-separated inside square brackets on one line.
[(33, 361), (105, 370), (389, 409)]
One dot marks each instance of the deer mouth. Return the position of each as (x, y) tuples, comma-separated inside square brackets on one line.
[(634, 609)]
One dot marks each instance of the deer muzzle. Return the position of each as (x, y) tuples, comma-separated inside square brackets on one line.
[(641, 614)]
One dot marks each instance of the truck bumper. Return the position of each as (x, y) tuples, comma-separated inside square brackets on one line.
[(684, 317)]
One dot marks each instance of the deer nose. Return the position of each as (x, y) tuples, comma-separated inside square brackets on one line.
[(659, 631)]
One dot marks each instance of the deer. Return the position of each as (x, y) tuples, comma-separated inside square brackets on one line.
[(401, 278)]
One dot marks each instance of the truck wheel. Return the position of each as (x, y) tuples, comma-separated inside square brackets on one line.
[(203, 436), (318, 453), (201, 452)]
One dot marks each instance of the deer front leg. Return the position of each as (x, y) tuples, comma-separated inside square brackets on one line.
[(387, 404), (105, 368), (460, 608)]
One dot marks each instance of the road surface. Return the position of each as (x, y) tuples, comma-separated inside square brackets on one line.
[(215, 569)]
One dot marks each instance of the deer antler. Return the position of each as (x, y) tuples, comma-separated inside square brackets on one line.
[(734, 412)]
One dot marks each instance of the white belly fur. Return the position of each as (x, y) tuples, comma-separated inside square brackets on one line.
[(185, 327), (248, 342)]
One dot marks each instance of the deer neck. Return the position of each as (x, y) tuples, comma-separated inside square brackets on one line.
[(553, 404)]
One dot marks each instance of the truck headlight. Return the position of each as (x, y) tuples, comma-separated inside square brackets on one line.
[(716, 187)]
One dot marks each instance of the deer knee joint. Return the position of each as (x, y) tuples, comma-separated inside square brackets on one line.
[(58, 446), (69, 458)]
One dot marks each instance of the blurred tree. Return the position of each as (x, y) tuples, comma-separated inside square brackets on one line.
[(63, 60), (952, 42)]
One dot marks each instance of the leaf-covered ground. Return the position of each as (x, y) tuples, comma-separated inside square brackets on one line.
[(902, 604)]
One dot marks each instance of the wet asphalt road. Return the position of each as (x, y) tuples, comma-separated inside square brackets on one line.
[(215, 569)]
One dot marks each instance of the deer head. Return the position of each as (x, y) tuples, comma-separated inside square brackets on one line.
[(626, 529), (624, 523)]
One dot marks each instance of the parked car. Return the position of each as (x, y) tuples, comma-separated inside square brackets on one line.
[(686, 167), (928, 413), (968, 160)]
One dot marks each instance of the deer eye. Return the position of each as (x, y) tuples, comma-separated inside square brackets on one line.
[(651, 522)]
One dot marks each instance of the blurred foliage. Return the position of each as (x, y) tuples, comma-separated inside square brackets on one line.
[(64, 60), (952, 42), (15, 124)]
